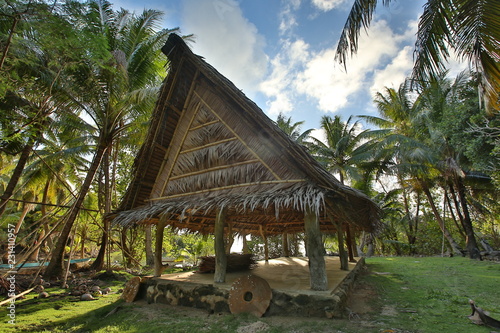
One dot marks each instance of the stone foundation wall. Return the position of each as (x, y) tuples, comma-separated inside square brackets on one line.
[(215, 300)]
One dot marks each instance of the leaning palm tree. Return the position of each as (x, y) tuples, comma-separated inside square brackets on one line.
[(468, 27), (120, 82)]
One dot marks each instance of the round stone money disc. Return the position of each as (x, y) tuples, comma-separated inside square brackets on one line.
[(250, 294)]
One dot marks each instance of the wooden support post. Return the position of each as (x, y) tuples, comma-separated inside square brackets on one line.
[(230, 238), (266, 243), (246, 249), (315, 251), (220, 252), (344, 265), (160, 228), (350, 248), (286, 248)]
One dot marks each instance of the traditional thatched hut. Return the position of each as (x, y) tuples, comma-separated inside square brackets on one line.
[(213, 162)]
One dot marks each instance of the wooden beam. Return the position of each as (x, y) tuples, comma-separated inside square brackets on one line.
[(315, 251), (220, 253)]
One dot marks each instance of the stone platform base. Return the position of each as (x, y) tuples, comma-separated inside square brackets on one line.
[(288, 278)]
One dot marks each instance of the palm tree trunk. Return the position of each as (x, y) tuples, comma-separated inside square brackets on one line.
[(98, 263), (454, 246), (460, 228), (16, 20), (55, 267), (471, 243), (16, 175)]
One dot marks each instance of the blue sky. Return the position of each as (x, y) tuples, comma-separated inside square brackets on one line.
[(281, 52)]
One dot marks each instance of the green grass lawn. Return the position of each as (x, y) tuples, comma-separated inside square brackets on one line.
[(402, 295)]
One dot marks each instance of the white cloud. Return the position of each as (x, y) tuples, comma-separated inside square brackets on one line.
[(279, 84), (383, 59), (287, 15), (394, 73), (332, 87), (227, 40), (326, 5)]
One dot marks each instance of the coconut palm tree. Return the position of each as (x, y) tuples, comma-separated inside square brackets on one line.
[(345, 153), (470, 28), (119, 82)]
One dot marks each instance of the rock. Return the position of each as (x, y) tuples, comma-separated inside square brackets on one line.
[(76, 293), (43, 294), (86, 297), (131, 289), (39, 289), (106, 291), (95, 288), (97, 293)]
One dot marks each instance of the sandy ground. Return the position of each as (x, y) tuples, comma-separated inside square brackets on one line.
[(284, 274)]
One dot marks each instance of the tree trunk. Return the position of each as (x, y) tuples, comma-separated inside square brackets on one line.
[(127, 257), (460, 227), (220, 253), (98, 263), (315, 251), (471, 243), (15, 21), (150, 258), (55, 267), (454, 246), (16, 175)]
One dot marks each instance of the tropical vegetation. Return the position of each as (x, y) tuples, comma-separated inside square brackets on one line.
[(78, 82)]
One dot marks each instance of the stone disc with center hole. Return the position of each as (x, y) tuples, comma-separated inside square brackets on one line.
[(250, 294)]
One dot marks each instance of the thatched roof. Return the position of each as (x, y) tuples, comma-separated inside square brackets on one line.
[(210, 147)]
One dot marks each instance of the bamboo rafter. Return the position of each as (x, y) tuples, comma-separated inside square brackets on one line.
[(218, 168), (239, 138), (188, 100), (211, 144), (229, 187), (204, 125)]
